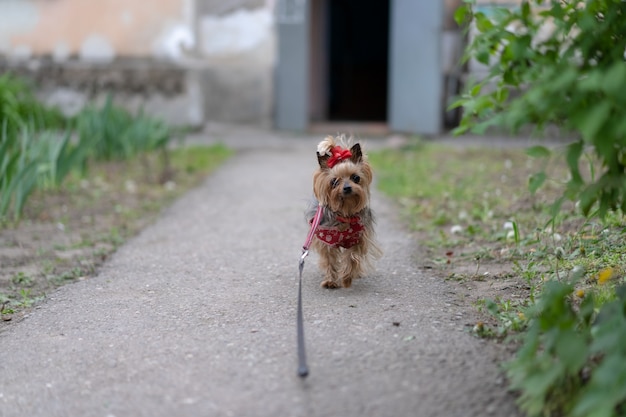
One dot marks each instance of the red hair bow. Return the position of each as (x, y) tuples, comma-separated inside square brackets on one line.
[(338, 154)]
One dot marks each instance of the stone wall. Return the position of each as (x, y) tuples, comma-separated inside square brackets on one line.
[(156, 87)]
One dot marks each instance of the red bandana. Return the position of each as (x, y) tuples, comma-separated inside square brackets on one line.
[(345, 239), (338, 154)]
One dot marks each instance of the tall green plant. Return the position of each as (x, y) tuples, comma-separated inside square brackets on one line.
[(564, 62), (18, 173), (20, 107), (114, 133), (34, 152)]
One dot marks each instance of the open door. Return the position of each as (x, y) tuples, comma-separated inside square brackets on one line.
[(360, 60)]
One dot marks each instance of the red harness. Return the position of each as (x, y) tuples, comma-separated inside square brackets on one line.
[(332, 236)]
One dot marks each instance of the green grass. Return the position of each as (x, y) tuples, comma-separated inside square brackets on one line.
[(479, 209), (475, 203)]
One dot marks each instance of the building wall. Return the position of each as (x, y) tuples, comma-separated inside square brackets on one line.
[(188, 61), (94, 30), (236, 49)]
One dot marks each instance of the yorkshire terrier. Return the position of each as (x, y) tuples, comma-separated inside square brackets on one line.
[(344, 238)]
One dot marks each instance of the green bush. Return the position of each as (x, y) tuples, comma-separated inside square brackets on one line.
[(573, 360), (574, 77), (562, 63)]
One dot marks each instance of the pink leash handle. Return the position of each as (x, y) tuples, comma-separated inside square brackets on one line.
[(316, 222)]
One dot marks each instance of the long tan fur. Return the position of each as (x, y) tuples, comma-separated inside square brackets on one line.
[(341, 265)]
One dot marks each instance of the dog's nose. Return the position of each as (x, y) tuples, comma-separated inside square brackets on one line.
[(347, 189)]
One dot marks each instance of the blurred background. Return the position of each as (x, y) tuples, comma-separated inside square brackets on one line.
[(300, 65)]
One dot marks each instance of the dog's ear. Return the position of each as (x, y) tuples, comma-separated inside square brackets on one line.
[(357, 155), (323, 160)]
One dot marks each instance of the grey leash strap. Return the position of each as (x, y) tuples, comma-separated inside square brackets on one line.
[(303, 369)]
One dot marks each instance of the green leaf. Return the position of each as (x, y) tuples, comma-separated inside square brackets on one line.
[(536, 181), (538, 152), (525, 11), (614, 79), (462, 14), (501, 95), (520, 47), (483, 24), (574, 151), (591, 122), (571, 350)]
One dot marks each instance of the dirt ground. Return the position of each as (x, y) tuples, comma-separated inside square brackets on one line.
[(65, 235)]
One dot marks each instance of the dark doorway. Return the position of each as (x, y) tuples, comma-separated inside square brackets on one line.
[(358, 46)]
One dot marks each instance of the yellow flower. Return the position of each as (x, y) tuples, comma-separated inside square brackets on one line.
[(580, 293), (521, 316), (605, 275)]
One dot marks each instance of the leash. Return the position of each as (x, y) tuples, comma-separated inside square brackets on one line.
[(303, 369)]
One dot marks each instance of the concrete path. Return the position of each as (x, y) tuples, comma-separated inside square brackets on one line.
[(196, 317)]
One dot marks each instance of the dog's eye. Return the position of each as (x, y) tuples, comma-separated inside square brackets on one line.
[(334, 182), (355, 178)]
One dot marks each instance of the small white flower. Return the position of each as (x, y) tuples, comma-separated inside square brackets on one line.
[(456, 229), (559, 252), (508, 226), (557, 237), (510, 235)]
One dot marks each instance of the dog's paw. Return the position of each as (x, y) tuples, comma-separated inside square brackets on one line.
[(329, 284), (346, 282)]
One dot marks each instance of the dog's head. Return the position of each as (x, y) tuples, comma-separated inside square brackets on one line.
[(343, 179)]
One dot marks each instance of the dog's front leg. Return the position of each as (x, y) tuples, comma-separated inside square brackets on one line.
[(352, 265), (329, 264)]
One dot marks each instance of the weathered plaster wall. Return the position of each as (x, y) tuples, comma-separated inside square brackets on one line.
[(210, 59), (94, 30), (237, 50)]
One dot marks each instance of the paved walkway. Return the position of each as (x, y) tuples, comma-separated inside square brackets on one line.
[(196, 317)]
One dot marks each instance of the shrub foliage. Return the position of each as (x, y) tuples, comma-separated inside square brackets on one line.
[(554, 62), (567, 59)]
